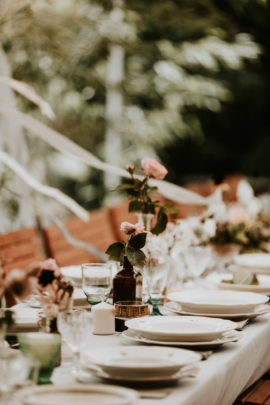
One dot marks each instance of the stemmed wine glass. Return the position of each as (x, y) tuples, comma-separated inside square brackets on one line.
[(96, 281), (75, 326), (156, 275), (15, 368)]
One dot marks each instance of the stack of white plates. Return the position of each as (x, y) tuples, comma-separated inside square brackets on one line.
[(138, 363), (223, 281), (222, 304), (254, 262), (181, 331)]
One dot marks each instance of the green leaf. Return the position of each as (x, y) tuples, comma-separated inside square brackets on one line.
[(123, 187), (138, 241), (161, 223), (115, 251), (137, 184), (168, 208), (135, 257), (135, 205)]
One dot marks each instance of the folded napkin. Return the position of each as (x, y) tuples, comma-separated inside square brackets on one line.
[(26, 319)]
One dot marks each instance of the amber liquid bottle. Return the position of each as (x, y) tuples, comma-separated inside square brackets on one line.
[(124, 289)]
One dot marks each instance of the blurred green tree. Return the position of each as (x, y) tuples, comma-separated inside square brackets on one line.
[(178, 60)]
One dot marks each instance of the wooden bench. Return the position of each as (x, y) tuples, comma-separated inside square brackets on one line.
[(97, 232)]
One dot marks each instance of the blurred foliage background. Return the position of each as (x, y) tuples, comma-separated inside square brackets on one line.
[(193, 84)]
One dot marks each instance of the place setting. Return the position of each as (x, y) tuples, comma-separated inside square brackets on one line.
[(225, 304), (192, 332), (140, 365), (241, 280)]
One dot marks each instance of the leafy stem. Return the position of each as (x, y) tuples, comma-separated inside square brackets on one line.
[(132, 250)]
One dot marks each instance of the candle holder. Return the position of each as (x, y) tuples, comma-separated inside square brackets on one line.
[(130, 309)]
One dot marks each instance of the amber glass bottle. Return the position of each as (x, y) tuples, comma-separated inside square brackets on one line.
[(124, 289)]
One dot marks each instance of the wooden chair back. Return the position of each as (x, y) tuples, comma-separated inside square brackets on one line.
[(98, 232), (118, 214), (20, 248)]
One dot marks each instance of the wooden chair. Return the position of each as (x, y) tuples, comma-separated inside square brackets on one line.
[(257, 394), (97, 232), (118, 214), (20, 248)]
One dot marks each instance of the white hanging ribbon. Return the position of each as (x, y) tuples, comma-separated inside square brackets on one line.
[(28, 92), (43, 189), (63, 144)]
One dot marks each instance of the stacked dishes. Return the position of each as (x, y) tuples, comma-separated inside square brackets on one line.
[(181, 331), (139, 363), (218, 303), (224, 281), (253, 262)]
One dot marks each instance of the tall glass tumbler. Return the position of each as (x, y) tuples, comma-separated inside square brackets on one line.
[(96, 282)]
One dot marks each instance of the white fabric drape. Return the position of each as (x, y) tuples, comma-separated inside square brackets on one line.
[(65, 145)]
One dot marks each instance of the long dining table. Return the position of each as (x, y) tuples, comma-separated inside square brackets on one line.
[(227, 372)]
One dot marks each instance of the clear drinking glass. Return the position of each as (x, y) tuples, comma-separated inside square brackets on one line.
[(197, 260), (15, 369), (75, 327), (96, 281), (156, 275)]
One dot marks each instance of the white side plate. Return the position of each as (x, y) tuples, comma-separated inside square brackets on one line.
[(188, 328), (134, 361)]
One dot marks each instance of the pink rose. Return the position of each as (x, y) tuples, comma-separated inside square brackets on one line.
[(238, 214), (50, 264), (131, 229), (153, 168)]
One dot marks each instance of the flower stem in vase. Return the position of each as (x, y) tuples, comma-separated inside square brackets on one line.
[(145, 220)]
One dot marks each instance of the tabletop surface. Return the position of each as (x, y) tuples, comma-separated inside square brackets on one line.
[(221, 378)]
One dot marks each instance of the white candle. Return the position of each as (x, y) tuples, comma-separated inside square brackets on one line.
[(103, 319)]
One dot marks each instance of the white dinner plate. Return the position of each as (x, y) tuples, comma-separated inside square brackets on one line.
[(260, 310), (73, 274), (217, 279), (78, 394), (253, 260), (233, 336), (217, 301), (134, 362), (186, 371), (172, 328)]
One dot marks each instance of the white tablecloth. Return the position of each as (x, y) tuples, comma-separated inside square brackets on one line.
[(221, 378)]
